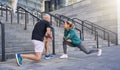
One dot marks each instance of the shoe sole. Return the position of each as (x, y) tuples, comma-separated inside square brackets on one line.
[(17, 60), (49, 58), (63, 57), (100, 52)]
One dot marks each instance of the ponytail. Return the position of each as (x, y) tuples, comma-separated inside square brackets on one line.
[(71, 24)]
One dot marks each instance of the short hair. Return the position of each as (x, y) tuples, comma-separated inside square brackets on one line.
[(46, 15)]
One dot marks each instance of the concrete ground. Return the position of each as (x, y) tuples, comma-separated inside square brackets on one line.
[(110, 60)]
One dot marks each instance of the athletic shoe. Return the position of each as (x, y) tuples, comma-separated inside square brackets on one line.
[(18, 59), (99, 52), (48, 56), (64, 56)]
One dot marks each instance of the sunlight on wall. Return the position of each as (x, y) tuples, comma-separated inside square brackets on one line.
[(14, 5), (118, 21)]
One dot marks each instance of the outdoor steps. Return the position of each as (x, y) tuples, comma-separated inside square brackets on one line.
[(14, 20), (19, 40), (89, 40), (100, 12)]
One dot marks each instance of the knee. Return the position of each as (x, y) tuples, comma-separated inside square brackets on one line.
[(38, 58)]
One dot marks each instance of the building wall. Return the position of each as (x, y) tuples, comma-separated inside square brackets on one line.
[(29, 4), (69, 2), (101, 12), (118, 20)]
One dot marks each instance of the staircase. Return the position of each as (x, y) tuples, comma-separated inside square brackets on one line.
[(102, 13), (19, 40)]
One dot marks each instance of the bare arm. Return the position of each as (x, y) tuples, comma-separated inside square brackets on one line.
[(49, 32)]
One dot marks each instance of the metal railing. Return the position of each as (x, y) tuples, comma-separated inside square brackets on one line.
[(38, 18), (82, 32), (82, 28), (79, 32), (26, 15), (6, 8), (53, 29), (104, 30), (62, 21), (3, 41), (93, 27)]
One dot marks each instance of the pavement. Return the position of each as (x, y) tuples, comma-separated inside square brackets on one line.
[(110, 60)]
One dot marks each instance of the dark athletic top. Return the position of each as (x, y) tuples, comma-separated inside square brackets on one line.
[(39, 30)]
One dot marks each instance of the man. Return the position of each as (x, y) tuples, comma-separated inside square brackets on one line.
[(47, 41), (40, 29)]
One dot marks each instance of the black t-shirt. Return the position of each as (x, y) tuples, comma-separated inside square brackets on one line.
[(39, 30)]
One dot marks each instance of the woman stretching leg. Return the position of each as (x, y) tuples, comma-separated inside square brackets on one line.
[(70, 38)]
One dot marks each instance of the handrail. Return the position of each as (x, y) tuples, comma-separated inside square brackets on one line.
[(53, 33), (80, 32), (3, 41), (64, 21), (53, 43), (82, 24), (65, 17), (18, 7), (98, 27), (101, 28), (6, 8), (96, 33), (27, 12)]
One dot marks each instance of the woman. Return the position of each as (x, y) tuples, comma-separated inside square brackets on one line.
[(70, 38)]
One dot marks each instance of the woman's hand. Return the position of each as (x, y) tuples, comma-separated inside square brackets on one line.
[(64, 38), (68, 40)]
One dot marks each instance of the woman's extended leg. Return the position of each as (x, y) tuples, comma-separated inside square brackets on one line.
[(82, 48)]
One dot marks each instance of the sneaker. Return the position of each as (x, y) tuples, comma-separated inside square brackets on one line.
[(48, 56), (18, 59), (99, 52), (64, 56)]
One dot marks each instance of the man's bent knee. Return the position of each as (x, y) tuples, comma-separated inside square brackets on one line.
[(38, 58)]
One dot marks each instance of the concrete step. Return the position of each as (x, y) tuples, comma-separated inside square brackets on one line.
[(19, 40)]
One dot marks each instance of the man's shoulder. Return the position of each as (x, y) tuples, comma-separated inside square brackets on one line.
[(44, 21)]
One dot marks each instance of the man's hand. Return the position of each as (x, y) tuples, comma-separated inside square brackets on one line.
[(49, 36)]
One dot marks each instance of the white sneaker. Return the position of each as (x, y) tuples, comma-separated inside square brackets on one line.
[(64, 56), (99, 52)]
